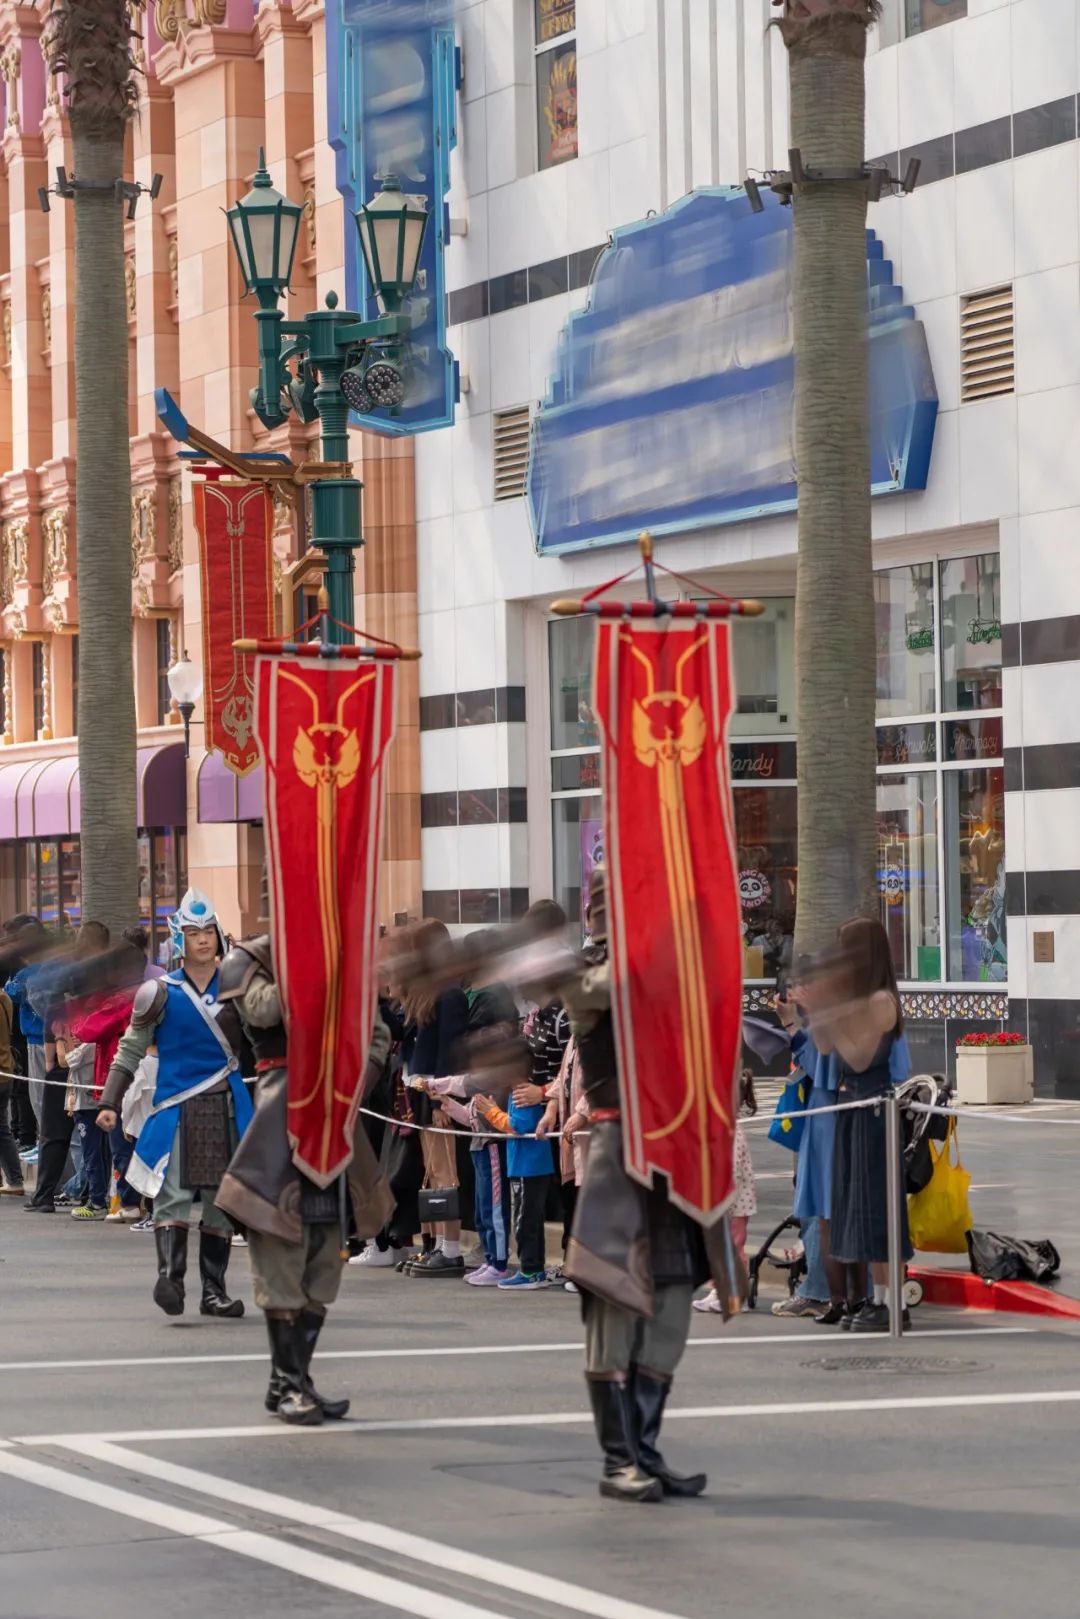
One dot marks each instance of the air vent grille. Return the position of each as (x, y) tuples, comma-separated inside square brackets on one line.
[(987, 360), (511, 432)]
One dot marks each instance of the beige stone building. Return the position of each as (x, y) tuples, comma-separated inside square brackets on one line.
[(217, 82)]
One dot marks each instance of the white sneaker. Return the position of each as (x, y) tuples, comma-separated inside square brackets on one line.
[(239, 1241), (571, 1287), (373, 1258), (710, 1304)]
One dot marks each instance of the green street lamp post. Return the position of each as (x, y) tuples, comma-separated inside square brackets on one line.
[(340, 360)]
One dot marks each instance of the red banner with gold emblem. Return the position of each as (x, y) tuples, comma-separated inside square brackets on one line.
[(325, 728), (234, 522), (663, 697)]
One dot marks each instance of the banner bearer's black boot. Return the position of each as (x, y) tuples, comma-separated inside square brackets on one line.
[(648, 1395), (214, 1250), (622, 1479), (287, 1356), (171, 1242), (310, 1324)]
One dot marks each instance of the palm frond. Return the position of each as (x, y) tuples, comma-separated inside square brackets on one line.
[(89, 42)]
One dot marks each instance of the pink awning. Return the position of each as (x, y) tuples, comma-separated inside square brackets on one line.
[(39, 798), (225, 796)]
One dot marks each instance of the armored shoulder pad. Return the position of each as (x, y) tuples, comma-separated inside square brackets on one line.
[(240, 966), (149, 1003)]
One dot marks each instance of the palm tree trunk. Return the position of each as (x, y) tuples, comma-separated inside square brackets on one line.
[(107, 738), (834, 611)]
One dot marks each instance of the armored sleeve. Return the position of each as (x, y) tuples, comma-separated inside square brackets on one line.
[(260, 1005), (588, 997), (146, 1014)]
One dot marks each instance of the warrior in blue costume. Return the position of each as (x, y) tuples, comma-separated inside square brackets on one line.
[(200, 1108)]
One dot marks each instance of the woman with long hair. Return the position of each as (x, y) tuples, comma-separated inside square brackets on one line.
[(437, 1021), (855, 1013)]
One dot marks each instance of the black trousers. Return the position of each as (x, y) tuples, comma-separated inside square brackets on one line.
[(56, 1128), (23, 1123), (10, 1164), (528, 1196)]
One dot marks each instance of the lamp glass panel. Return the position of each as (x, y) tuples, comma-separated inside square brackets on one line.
[(414, 237), (386, 229), (262, 228), (185, 681), (236, 226)]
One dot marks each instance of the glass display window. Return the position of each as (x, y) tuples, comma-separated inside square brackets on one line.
[(940, 799), (555, 24)]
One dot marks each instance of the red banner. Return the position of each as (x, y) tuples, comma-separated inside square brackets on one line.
[(234, 522), (663, 698), (325, 729)]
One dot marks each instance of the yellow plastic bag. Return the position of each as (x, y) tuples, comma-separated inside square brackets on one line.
[(939, 1215)]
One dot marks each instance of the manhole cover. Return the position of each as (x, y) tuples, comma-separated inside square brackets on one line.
[(906, 1366)]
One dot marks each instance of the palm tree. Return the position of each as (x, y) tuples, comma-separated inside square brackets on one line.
[(90, 42), (834, 611)]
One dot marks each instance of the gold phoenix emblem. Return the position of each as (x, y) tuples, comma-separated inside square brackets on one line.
[(326, 771), (326, 757), (683, 732), (669, 733)]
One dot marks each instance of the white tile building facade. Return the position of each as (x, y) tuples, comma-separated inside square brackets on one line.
[(674, 94)]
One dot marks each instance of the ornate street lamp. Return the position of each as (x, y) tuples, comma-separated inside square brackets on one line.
[(340, 360), (264, 227), (392, 227), (185, 688)]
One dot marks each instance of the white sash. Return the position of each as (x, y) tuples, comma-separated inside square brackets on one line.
[(204, 1084)]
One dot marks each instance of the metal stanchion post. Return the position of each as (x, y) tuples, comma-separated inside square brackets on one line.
[(893, 1194)]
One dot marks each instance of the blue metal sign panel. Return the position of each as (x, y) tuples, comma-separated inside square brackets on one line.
[(673, 400), (392, 80)]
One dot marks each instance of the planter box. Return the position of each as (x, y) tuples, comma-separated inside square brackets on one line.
[(994, 1076)]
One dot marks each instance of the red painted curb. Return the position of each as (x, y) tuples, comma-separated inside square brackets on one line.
[(961, 1290)]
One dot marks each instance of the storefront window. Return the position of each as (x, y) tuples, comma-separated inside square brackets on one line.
[(577, 836), (766, 831), (940, 820), (570, 655), (556, 81), (166, 897), (71, 880), (975, 863), (49, 881), (908, 873), (906, 660), (919, 15), (971, 633), (145, 880), (764, 659)]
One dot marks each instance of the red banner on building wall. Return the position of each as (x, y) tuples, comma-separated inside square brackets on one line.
[(234, 522), (663, 698), (324, 729)]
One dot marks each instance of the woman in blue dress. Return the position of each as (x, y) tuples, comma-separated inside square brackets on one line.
[(857, 1050)]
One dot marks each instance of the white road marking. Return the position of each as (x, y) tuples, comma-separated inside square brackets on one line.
[(535, 1348), (308, 1565), (562, 1419), (438, 1554)]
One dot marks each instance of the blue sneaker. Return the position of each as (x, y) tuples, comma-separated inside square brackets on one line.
[(30, 1156), (526, 1282)]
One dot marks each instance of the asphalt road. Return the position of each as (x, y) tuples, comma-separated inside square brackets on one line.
[(139, 1473)]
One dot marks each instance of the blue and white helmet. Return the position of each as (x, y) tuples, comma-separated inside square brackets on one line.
[(196, 910)]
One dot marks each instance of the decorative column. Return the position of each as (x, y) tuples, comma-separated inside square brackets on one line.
[(56, 278), (23, 70), (216, 83)]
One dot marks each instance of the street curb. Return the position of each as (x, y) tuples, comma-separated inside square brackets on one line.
[(959, 1289)]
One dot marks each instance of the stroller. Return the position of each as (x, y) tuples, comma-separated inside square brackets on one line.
[(795, 1267)]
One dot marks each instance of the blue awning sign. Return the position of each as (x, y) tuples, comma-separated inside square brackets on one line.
[(672, 403)]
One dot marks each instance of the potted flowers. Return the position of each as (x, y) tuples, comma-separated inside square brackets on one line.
[(994, 1068)]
